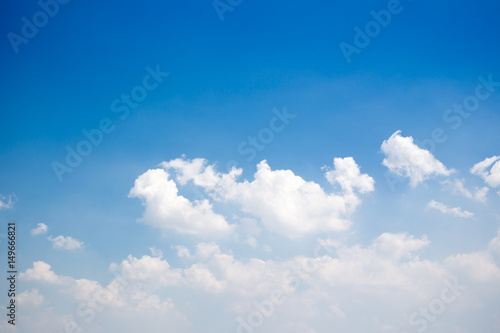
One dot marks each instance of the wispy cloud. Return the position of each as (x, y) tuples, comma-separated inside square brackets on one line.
[(65, 242), (492, 176), (40, 229), (457, 187), (454, 211), (7, 201)]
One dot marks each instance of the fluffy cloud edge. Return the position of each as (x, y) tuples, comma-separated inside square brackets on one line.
[(41, 228), (65, 243), (283, 202), (406, 159)]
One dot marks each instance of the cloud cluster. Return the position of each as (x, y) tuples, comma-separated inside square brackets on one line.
[(337, 284), (344, 284), (283, 202), (127, 303), (166, 209)]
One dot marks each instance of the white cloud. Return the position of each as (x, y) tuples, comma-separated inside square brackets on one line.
[(207, 250), (156, 252), (31, 297), (167, 210), (398, 246), (215, 286), (128, 305), (454, 211), (249, 230), (406, 159), (182, 251), (287, 204), (153, 270), (41, 272), (7, 202), (218, 272), (348, 175), (40, 229), (479, 265), (197, 170), (284, 202), (492, 176), (65, 242), (494, 244), (251, 241), (344, 290), (457, 187)]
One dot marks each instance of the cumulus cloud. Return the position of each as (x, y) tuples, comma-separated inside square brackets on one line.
[(129, 306), (42, 272), (406, 159), (7, 201), (398, 246), (219, 272), (492, 176), (153, 270), (454, 211), (196, 170), (345, 285), (348, 175), (31, 297), (287, 204), (457, 187), (65, 243), (494, 244), (40, 229), (168, 210), (283, 202), (480, 266)]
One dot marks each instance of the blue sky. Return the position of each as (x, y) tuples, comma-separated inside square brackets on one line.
[(227, 81)]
